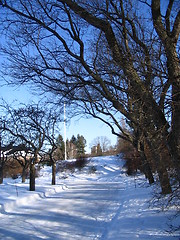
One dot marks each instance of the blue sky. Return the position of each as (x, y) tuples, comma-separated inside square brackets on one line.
[(89, 128)]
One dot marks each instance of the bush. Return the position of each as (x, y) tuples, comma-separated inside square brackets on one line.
[(92, 170), (12, 169), (130, 155), (132, 162), (79, 163)]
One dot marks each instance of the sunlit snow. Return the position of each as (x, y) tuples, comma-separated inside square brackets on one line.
[(104, 204)]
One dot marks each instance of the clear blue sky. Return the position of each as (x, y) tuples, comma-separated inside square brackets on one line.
[(89, 128)]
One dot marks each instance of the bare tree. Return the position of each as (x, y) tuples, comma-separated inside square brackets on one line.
[(25, 124), (50, 145), (22, 155), (10, 151), (35, 127), (103, 141), (106, 58), (6, 144), (1, 163), (4, 148)]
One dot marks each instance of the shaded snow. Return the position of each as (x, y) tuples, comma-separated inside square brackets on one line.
[(104, 205)]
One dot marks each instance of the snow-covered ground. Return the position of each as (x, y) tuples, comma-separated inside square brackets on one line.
[(103, 205)]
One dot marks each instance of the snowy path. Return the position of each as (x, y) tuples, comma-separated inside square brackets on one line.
[(80, 212), (84, 210), (102, 206)]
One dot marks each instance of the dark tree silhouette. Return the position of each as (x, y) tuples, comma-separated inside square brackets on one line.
[(108, 58)]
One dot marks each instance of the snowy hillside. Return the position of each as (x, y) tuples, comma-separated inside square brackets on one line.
[(104, 205)]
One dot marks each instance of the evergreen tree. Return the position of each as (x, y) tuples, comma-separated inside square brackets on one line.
[(60, 147), (73, 140), (80, 145)]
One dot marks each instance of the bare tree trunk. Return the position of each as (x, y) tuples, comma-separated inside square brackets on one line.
[(148, 172), (169, 39), (53, 173), (146, 166), (164, 179), (1, 173), (174, 138), (160, 164), (1, 164), (24, 171), (32, 177), (24, 174), (174, 151)]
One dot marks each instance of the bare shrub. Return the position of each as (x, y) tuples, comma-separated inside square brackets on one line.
[(79, 164), (12, 169), (131, 157)]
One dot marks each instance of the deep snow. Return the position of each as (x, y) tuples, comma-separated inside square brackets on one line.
[(103, 205)]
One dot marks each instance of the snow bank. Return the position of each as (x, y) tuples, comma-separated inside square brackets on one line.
[(104, 204)]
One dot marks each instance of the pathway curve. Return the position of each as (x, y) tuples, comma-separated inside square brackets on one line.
[(82, 211)]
